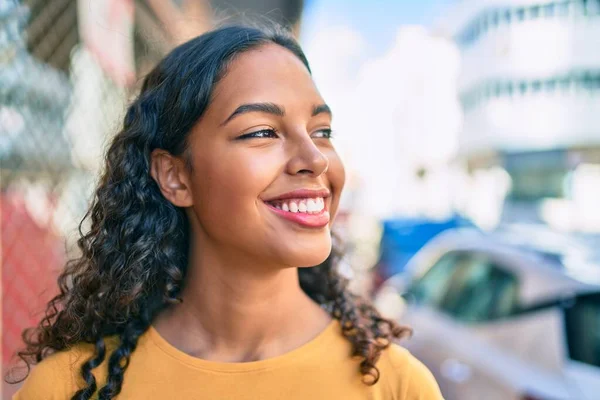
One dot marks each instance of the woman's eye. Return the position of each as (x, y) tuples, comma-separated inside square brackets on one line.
[(263, 133), (323, 133)]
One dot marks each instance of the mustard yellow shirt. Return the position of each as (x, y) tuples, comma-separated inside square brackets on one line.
[(320, 369)]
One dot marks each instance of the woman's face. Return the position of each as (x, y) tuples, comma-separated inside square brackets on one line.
[(266, 179)]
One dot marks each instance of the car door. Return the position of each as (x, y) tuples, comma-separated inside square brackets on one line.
[(480, 293), (461, 290), (432, 329)]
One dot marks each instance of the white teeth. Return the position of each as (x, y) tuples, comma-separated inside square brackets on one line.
[(320, 204), (302, 206), (315, 205)]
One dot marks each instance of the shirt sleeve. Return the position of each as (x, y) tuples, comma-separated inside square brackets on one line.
[(422, 384), (48, 380), (415, 382)]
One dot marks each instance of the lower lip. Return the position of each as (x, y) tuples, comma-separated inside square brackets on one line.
[(317, 220)]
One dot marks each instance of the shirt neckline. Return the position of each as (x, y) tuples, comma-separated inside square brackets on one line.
[(307, 348)]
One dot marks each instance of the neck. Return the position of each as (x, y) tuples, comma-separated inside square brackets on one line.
[(237, 311)]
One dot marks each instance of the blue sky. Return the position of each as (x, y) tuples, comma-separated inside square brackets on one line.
[(377, 20)]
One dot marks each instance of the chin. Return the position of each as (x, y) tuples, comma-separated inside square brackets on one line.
[(308, 254)]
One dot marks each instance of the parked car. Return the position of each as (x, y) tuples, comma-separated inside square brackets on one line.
[(401, 238), (498, 320)]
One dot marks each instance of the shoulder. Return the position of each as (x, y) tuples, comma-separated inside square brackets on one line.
[(50, 379), (58, 376), (408, 377)]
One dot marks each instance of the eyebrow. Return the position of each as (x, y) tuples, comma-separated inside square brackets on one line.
[(322, 108), (271, 108)]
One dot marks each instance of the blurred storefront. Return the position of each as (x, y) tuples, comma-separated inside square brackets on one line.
[(530, 90)]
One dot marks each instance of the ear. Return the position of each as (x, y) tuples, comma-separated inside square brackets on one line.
[(172, 177)]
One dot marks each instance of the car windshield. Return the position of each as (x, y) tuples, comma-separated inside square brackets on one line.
[(583, 329)]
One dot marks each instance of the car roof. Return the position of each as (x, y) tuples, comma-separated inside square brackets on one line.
[(542, 274)]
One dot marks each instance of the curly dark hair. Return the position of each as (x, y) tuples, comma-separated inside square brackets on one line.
[(134, 256)]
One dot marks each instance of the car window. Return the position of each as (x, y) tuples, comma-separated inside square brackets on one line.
[(480, 290), (583, 329), (431, 287)]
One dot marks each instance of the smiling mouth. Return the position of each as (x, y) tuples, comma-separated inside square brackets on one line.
[(308, 212)]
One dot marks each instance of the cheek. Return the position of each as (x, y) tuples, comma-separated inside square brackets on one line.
[(336, 175), (227, 185)]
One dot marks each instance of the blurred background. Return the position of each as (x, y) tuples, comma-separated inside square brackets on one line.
[(470, 131)]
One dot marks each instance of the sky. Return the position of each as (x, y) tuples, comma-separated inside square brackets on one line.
[(378, 20)]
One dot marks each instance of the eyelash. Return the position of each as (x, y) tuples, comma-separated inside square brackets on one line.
[(328, 134)]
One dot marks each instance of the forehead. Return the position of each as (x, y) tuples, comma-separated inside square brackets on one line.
[(267, 73)]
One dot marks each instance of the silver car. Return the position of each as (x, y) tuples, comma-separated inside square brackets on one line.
[(494, 319)]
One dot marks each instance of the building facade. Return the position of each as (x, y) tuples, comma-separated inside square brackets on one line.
[(530, 90)]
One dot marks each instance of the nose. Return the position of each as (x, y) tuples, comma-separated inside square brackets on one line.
[(307, 158)]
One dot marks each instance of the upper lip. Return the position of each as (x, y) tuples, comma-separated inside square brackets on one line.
[(301, 194)]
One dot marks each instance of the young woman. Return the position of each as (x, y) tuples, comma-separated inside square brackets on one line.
[(217, 194)]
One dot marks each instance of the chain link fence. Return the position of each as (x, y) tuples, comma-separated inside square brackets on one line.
[(57, 109)]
